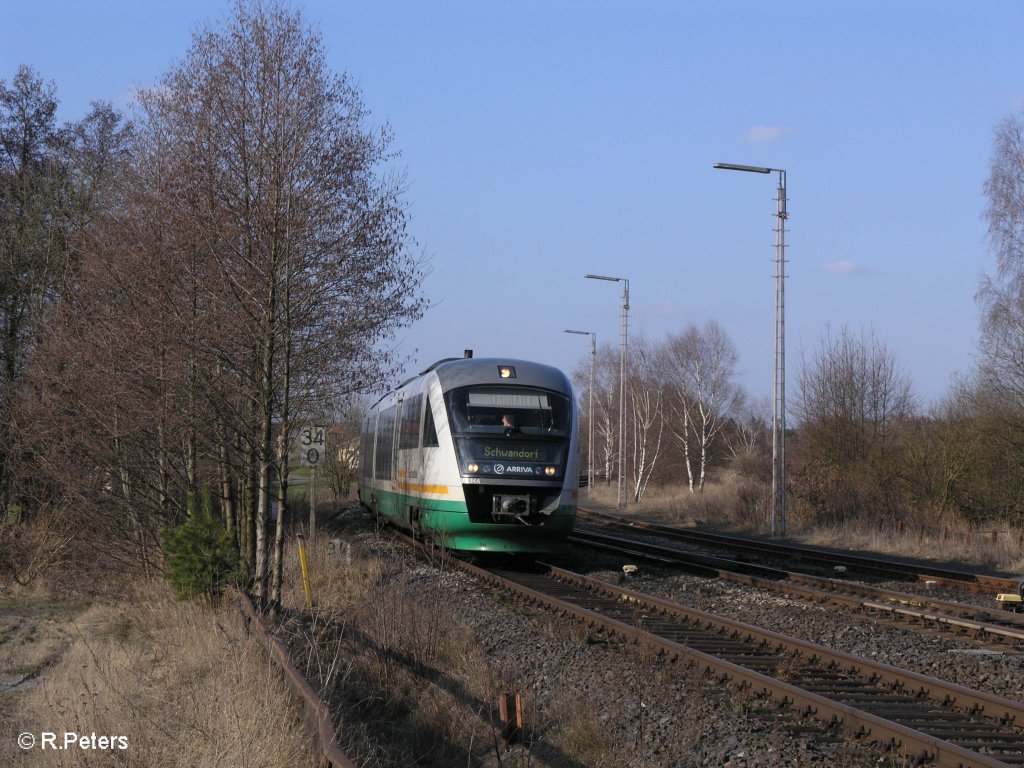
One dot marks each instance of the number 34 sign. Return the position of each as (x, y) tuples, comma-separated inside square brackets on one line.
[(312, 444)]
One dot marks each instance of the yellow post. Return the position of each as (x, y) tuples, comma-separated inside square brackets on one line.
[(304, 563)]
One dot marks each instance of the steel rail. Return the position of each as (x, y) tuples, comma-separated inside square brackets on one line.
[(906, 688), (989, 627), (961, 579), (318, 715)]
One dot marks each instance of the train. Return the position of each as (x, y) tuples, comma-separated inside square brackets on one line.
[(477, 455)]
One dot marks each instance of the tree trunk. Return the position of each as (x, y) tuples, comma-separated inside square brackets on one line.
[(277, 566), (227, 493)]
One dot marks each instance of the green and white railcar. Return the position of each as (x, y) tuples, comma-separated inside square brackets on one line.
[(476, 454)]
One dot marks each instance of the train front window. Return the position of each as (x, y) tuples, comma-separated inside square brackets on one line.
[(508, 411), (511, 433)]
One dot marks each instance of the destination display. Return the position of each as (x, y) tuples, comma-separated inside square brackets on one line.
[(512, 459)]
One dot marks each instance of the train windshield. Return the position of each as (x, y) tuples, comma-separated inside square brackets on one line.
[(513, 433), (509, 412)]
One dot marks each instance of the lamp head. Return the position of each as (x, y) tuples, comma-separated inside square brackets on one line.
[(748, 168)]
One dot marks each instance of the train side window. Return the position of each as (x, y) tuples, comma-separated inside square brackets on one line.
[(365, 455), (409, 429), (429, 429), (385, 443)]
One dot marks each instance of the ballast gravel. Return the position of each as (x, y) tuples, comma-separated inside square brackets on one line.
[(649, 711)]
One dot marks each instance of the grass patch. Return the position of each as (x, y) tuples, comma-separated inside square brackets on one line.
[(383, 648), (180, 681), (408, 683)]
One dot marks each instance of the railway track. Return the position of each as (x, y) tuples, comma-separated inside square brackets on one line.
[(990, 628), (928, 719), (883, 568)]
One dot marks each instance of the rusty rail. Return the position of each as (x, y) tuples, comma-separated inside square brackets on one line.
[(879, 566), (886, 732), (989, 626), (318, 716)]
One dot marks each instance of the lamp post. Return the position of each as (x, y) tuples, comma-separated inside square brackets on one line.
[(590, 408), (622, 384), (779, 403)]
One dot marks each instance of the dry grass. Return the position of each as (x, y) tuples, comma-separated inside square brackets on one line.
[(958, 543), (734, 503), (181, 682), (383, 647), (407, 683)]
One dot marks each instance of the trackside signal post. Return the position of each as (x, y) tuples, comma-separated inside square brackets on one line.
[(779, 402)]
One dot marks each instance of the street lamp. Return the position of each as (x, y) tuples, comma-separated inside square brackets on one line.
[(779, 404), (622, 384), (590, 408)]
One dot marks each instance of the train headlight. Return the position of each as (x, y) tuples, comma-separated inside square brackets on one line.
[(473, 467), (506, 371), (549, 471)]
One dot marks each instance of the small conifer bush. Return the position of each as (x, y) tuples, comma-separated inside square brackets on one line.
[(201, 558)]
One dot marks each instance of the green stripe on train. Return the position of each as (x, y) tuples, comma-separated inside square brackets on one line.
[(449, 521)]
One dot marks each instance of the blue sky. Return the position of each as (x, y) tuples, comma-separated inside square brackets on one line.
[(545, 140)]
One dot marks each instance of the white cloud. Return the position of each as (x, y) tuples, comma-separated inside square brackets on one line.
[(762, 134), (845, 267)]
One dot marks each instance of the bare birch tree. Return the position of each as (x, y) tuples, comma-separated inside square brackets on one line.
[(646, 397), (606, 409), (699, 367), (1001, 295)]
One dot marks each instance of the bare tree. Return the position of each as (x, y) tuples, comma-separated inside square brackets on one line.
[(997, 396), (248, 268), (34, 256), (942, 454), (341, 461), (699, 367), (54, 184), (854, 401), (306, 239), (1001, 296), (606, 409), (750, 428), (646, 396)]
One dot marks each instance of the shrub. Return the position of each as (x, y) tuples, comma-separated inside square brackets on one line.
[(201, 557)]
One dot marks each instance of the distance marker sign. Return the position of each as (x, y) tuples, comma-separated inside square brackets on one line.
[(312, 444)]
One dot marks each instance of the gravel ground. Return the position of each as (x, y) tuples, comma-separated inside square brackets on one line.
[(1001, 673), (998, 672), (658, 713)]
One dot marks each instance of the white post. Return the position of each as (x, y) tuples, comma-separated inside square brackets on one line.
[(312, 505)]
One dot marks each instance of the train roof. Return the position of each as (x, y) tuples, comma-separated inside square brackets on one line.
[(456, 372), (461, 372)]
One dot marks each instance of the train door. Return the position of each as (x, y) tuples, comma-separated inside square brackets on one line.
[(421, 438), (383, 461), (410, 469), (365, 468), (398, 471)]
